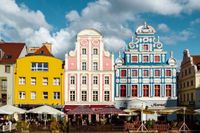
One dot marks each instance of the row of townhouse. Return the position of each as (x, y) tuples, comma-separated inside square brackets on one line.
[(89, 75)]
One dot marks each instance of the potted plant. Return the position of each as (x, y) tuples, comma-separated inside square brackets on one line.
[(55, 126)]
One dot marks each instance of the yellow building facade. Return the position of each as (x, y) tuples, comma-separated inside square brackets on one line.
[(38, 79)]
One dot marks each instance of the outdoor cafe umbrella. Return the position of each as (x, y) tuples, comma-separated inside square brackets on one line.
[(12, 109), (45, 110)]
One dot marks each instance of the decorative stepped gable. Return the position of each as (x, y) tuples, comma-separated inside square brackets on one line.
[(144, 72)]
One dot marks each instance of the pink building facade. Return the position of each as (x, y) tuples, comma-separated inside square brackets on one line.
[(89, 72)]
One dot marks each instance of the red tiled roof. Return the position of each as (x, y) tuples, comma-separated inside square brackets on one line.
[(11, 51), (196, 59), (43, 51)]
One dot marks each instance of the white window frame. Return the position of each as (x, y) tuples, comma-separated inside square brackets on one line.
[(33, 80), (106, 80), (84, 51), (45, 95), (7, 68), (72, 95), (95, 96), (56, 95), (4, 84), (84, 80), (39, 66), (106, 95), (72, 80), (56, 81), (83, 66), (84, 96), (45, 81), (33, 95), (22, 80), (95, 66), (95, 51), (95, 80), (22, 95)]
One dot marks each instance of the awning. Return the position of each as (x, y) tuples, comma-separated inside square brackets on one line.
[(84, 109), (109, 110)]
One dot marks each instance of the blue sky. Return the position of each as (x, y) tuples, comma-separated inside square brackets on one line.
[(58, 21)]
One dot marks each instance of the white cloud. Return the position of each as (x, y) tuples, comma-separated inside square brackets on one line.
[(196, 21), (177, 37), (112, 18), (163, 27)]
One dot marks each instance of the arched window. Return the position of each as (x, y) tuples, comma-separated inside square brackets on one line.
[(95, 51)]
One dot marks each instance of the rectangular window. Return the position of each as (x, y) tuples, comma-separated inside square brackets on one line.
[(56, 95), (83, 65), (168, 90), (45, 81), (123, 73), (106, 80), (95, 51), (157, 73), (84, 80), (106, 96), (33, 95), (123, 90), (145, 90), (95, 80), (157, 58), (192, 98), (84, 95), (72, 95), (95, 66), (72, 80), (45, 95), (134, 73), (33, 80), (157, 90), (22, 95), (22, 80), (145, 73), (192, 82), (84, 51), (145, 47), (134, 90), (95, 96), (189, 70), (56, 81), (134, 59), (7, 68), (39, 66), (4, 84), (145, 59), (168, 73)]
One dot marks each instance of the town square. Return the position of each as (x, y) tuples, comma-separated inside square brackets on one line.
[(115, 66)]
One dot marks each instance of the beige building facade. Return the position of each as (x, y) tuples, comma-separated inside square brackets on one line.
[(189, 80)]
